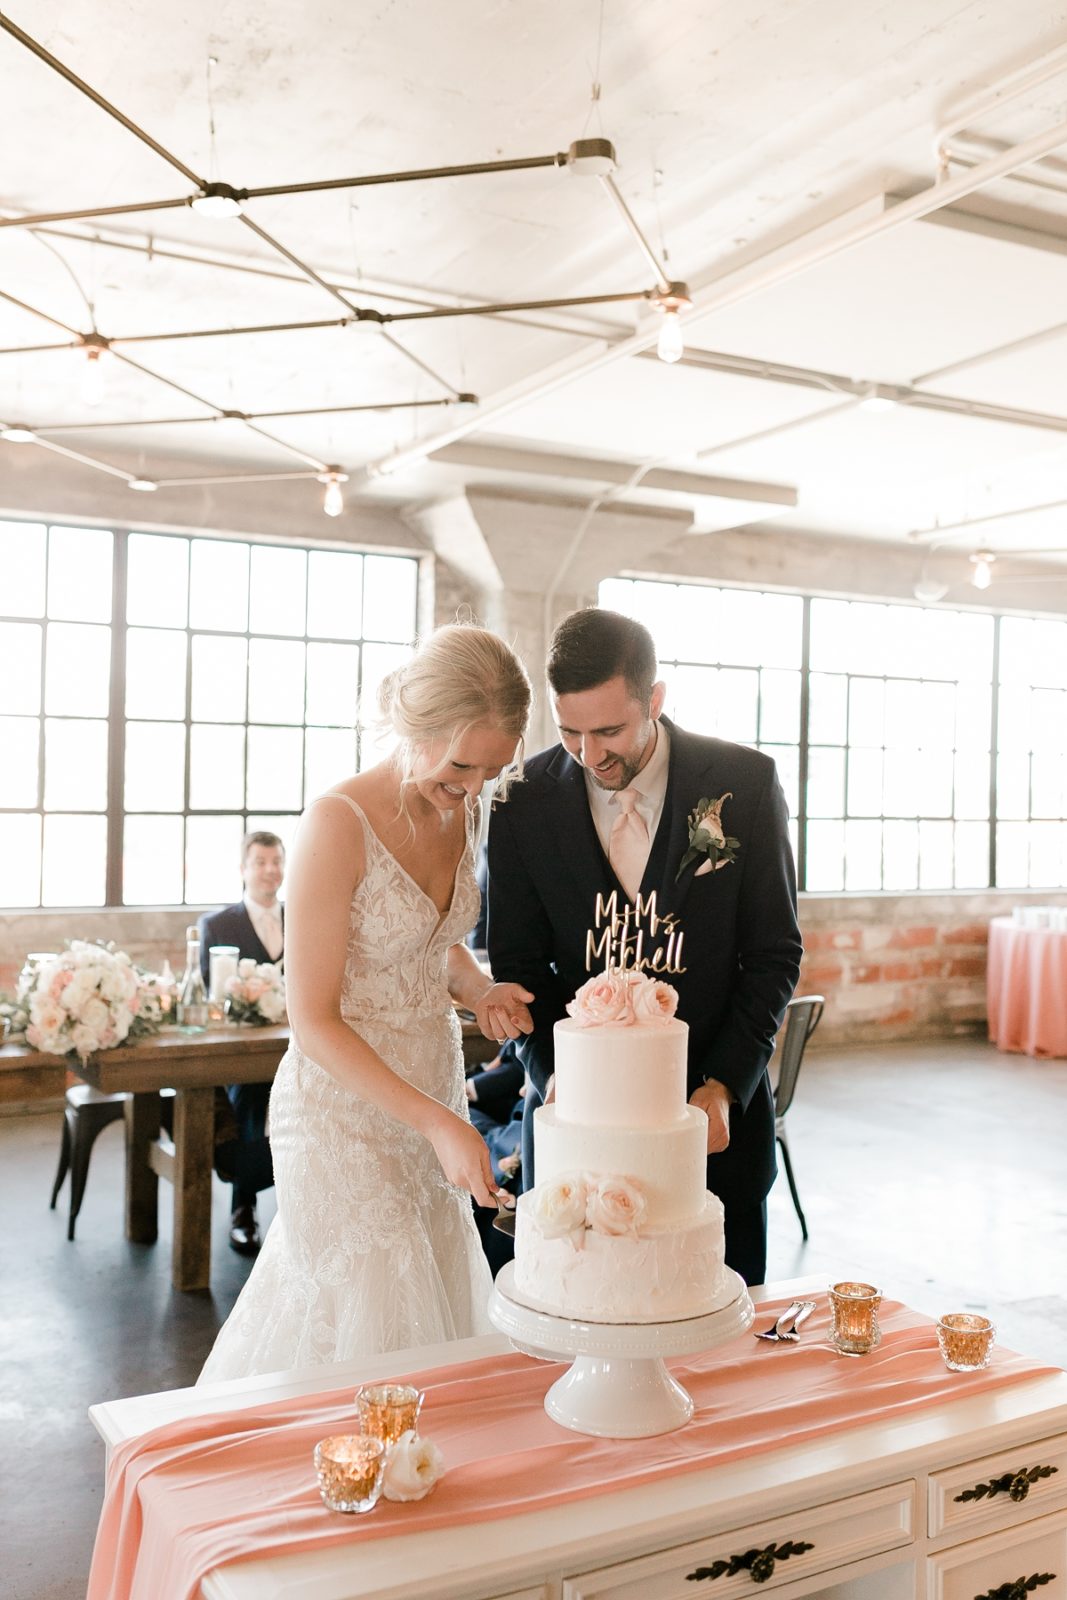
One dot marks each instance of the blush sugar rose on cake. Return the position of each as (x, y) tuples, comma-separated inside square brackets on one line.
[(620, 1225)]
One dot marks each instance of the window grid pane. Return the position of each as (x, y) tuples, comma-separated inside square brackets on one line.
[(249, 688)]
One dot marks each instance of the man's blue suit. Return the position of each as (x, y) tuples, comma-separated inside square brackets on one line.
[(741, 950), (233, 925)]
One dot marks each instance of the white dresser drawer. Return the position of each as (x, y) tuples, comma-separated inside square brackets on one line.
[(999, 1491), (763, 1556), (539, 1593), (1024, 1563)]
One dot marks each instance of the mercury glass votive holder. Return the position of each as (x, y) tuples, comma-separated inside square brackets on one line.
[(854, 1317), (966, 1341), (349, 1468), (386, 1410)]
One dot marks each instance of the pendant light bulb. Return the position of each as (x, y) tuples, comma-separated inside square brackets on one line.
[(983, 569), (333, 501), (670, 346), (93, 377)]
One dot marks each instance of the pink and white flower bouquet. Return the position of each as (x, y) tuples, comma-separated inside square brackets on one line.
[(257, 994), (89, 998)]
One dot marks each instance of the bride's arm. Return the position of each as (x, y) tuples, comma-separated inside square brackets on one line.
[(328, 861)]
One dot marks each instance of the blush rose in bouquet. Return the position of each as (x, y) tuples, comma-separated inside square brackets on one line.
[(89, 998), (257, 993)]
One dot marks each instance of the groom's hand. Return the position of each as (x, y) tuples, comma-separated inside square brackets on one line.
[(714, 1098)]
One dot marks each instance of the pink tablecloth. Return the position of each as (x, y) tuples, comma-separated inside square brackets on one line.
[(210, 1490), (1026, 988)]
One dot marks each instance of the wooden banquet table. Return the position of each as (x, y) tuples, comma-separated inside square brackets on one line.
[(1026, 988), (192, 1065), (900, 1506)]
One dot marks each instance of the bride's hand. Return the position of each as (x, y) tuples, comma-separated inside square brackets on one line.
[(464, 1158), (503, 1011)]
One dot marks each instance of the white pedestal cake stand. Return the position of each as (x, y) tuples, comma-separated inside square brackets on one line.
[(617, 1386)]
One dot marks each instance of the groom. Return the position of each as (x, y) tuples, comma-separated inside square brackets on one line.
[(608, 810)]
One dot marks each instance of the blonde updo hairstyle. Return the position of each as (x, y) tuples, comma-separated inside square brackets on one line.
[(460, 677)]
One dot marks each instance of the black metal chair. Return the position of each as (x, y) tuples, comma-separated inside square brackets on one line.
[(801, 1020), (86, 1113)]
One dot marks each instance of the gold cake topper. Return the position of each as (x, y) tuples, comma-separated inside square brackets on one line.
[(617, 939)]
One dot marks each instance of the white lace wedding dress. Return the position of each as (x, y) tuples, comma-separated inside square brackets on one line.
[(372, 1249)]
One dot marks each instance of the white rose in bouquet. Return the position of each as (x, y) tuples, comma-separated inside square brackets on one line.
[(412, 1467)]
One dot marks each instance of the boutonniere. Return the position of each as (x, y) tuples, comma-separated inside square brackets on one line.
[(707, 838)]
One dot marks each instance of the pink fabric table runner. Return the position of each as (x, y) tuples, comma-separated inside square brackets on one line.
[(1026, 988), (197, 1494)]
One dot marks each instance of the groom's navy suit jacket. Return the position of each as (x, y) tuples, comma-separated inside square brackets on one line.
[(742, 945)]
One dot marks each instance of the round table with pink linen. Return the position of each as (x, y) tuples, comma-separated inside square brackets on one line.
[(1026, 988)]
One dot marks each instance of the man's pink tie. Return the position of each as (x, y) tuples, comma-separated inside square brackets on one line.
[(628, 844)]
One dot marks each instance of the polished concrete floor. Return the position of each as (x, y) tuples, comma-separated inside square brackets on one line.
[(939, 1172)]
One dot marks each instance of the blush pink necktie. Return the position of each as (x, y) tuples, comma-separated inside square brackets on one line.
[(628, 843)]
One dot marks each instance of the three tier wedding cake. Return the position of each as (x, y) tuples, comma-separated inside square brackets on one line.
[(620, 1226)]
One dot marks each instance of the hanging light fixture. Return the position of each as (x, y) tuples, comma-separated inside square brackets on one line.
[(982, 576), (17, 433), (333, 501), (879, 399), (672, 300), (218, 201), (142, 485)]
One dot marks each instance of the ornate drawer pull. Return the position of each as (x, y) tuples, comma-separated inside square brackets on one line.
[(1019, 1589), (1016, 1485), (760, 1563)]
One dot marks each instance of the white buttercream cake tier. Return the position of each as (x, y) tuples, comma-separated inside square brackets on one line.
[(668, 1164), (619, 1076), (658, 1277)]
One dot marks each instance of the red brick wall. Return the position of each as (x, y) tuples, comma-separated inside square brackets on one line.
[(901, 966)]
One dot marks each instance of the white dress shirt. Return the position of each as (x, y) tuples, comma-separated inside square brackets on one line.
[(650, 786), (267, 921)]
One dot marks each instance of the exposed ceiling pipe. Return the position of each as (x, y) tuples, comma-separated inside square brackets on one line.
[(740, 285), (1011, 87)]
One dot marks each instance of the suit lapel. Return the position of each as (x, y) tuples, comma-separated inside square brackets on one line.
[(688, 779), (574, 831)]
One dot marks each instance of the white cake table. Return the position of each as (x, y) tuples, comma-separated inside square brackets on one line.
[(878, 1508)]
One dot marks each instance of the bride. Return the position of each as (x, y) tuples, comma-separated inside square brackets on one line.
[(374, 1246)]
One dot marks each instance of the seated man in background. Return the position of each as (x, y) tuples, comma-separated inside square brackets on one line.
[(495, 1095), (256, 925)]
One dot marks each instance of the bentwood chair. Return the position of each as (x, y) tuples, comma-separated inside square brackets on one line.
[(86, 1113), (801, 1020)]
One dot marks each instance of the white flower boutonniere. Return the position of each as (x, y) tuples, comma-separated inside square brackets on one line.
[(708, 838)]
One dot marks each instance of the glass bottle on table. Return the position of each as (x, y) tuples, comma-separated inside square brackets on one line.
[(192, 996)]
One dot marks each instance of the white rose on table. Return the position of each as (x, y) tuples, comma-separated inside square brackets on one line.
[(615, 1206), (246, 967), (412, 1467), (84, 1040), (272, 1005), (559, 1206)]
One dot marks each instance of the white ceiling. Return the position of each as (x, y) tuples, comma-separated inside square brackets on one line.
[(740, 129)]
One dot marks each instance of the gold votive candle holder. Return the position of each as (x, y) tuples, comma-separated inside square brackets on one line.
[(966, 1341), (386, 1410), (349, 1468), (854, 1317)]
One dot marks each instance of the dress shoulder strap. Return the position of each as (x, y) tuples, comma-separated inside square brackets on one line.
[(360, 813)]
